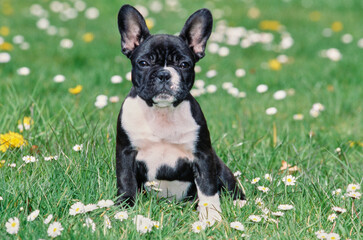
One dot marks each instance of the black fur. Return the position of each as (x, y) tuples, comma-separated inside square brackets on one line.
[(148, 55)]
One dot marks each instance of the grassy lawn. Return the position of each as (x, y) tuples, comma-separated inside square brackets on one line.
[(312, 50)]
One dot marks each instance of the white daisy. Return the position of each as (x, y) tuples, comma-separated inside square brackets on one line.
[(279, 95), (50, 158), (209, 222), (240, 72), (271, 111), (239, 203), (114, 99), (355, 195), (255, 180), (298, 117), (255, 218), (116, 79), (4, 57), (268, 177), (339, 209), (32, 216), (278, 214), (211, 73), (143, 224), (1, 198), (198, 226), (259, 202), (353, 187), (90, 223), (332, 217), (48, 219), (29, 159), (199, 83), (12, 165), (211, 88), (128, 76), (285, 207), (76, 208), (237, 225), (78, 147), (289, 180), (23, 71), (227, 85), (263, 189), (237, 174), (66, 43), (152, 184), (90, 207), (12, 225), (92, 13), (55, 229), (105, 203), (337, 192), (157, 225), (59, 78), (121, 216), (333, 236), (262, 88), (322, 235), (107, 222)]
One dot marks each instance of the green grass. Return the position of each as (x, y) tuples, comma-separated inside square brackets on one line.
[(241, 132)]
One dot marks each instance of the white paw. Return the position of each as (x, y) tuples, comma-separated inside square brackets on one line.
[(209, 212)]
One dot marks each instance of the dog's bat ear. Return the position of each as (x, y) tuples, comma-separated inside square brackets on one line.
[(132, 27), (197, 30)]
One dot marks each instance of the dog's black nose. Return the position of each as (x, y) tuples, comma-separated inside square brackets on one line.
[(163, 75)]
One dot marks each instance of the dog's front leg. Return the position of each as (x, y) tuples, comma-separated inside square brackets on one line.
[(205, 177), (126, 174)]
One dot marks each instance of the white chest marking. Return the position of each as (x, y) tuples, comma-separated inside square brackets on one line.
[(160, 135)]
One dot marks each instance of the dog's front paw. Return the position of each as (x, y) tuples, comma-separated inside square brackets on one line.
[(125, 201), (209, 212)]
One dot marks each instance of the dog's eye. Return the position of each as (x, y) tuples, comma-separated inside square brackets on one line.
[(184, 65), (143, 64)]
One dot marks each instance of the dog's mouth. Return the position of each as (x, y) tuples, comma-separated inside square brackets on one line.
[(163, 99)]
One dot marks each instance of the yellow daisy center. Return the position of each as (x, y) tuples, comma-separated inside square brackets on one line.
[(198, 228), (13, 224), (289, 179), (77, 209), (54, 229), (205, 204)]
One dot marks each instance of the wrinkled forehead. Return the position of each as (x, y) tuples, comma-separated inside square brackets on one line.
[(164, 46)]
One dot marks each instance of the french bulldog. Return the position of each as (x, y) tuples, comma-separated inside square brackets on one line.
[(162, 135)]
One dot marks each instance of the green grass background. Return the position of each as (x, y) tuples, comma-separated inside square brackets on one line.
[(62, 120)]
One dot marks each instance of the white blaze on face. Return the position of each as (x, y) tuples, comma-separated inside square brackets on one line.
[(165, 100)]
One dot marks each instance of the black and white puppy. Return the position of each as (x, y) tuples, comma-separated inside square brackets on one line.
[(162, 134)]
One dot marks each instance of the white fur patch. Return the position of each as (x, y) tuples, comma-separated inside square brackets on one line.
[(173, 189), (160, 135), (209, 207), (175, 78)]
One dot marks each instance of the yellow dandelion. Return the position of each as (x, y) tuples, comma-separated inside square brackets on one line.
[(149, 23), (337, 26), (270, 25), (2, 163), (88, 37), (75, 90), (315, 16), (5, 46), (4, 31), (274, 65), (11, 140)]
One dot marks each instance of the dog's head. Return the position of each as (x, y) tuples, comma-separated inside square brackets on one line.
[(163, 65)]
